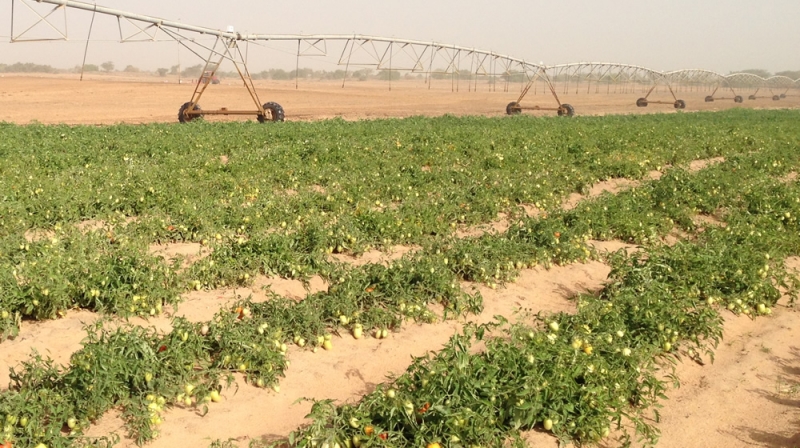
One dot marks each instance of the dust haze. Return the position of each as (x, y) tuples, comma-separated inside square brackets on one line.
[(718, 35)]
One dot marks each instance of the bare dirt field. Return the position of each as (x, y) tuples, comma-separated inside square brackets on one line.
[(748, 397), (143, 99)]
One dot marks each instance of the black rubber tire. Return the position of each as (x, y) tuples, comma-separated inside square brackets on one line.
[(183, 118), (738, 99), (513, 108), (566, 110), (709, 99), (751, 97), (775, 98), (783, 95), (680, 104), (641, 102), (276, 113)]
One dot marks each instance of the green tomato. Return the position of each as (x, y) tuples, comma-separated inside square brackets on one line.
[(354, 422), (215, 397)]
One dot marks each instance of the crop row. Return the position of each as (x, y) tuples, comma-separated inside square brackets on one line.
[(583, 375), (276, 201), (145, 372)]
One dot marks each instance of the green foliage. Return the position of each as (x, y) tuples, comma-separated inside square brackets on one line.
[(284, 198)]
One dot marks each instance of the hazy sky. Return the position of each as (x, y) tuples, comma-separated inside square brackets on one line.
[(720, 35)]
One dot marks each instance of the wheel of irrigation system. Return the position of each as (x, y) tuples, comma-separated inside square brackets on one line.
[(738, 99), (751, 97), (783, 95), (566, 110), (183, 117), (275, 111), (513, 108), (680, 104), (641, 102), (709, 99), (775, 98)]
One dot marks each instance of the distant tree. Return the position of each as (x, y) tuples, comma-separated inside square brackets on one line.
[(336, 74), (388, 75), (302, 73), (107, 66), (131, 69), (362, 74), (91, 68), (27, 67), (440, 73), (278, 74), (513, 76), (174, 69), (756, 71), (193, 71), (162, 72), (794, 74)]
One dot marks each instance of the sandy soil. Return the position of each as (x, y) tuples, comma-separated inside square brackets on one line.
[(142, 99), (748, 397)]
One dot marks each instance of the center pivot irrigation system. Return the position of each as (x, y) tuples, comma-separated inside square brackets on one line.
[(432, 60)]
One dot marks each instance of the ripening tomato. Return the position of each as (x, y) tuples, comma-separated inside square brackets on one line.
[(369, 430), (384, 436), (215, 397), (358, 331), (434, 445)]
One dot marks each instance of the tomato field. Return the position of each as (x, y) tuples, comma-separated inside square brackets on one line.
[(82, 209)]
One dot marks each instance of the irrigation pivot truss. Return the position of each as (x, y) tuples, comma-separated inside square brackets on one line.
[(461, 65)]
